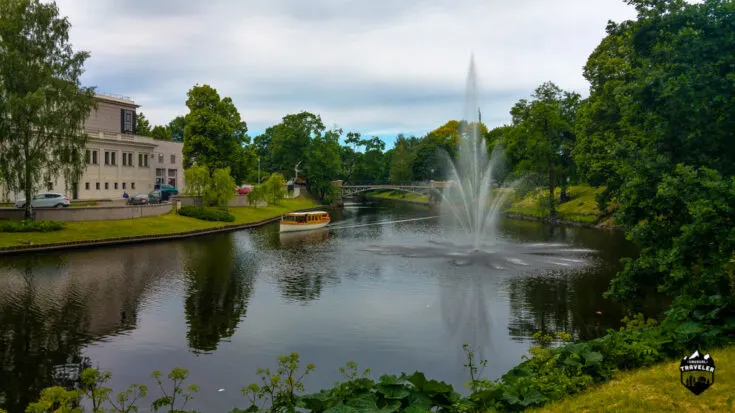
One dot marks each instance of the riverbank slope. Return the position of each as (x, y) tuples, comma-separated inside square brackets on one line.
[(656, 389), (168, 224), (581, 209)]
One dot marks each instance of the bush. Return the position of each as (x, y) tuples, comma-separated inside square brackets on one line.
[(206, 214), (31, 226)]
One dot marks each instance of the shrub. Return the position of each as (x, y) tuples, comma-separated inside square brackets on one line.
[(206, 214), (31, 226)]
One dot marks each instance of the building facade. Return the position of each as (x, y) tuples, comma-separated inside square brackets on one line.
[(118, 160)]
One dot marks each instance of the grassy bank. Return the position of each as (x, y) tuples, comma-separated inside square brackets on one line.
[(170, 223), (399, 196), (656, 389), (581, 207)]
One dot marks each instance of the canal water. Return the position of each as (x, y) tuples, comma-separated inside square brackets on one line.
[(224, 305)]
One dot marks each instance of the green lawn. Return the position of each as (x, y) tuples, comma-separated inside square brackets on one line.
[(657, 389), (165, 224), (581, 208), (399, 196)]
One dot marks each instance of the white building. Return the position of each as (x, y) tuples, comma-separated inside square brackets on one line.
[(119, 161)]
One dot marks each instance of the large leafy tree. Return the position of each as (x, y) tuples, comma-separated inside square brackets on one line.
[(42, 104), (290, 139), (370, 165), (658, 129), (543, 136), (323, 163), (401, 161), (214, 134)]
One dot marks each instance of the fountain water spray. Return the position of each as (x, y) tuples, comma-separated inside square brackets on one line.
[(470, 200)]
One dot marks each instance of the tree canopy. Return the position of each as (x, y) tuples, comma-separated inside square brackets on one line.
[(214, 133), (42, 103)]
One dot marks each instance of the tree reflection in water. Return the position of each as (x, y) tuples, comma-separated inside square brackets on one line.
[(37, 331), (220, 282)]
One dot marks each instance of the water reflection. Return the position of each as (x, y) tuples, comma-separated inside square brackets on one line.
[(51, 306), (301, 239), (219, 284), (324, 294)]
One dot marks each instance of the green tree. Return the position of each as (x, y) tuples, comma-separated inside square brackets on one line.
[(256, 195), (220, 189), (290, 139), (142, 126), (42, 104), (400, 167), (274, 188), (214, 134), (543, 136), (176, 127), (197, 180), (657, 131), (370, 166), (161, 133), (323, 163)]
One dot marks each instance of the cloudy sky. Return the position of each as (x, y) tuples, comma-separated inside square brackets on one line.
[(379, 67)]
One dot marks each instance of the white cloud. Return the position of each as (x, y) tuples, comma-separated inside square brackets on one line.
[(369, 66)]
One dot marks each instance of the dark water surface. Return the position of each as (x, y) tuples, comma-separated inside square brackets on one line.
[(224, 305)]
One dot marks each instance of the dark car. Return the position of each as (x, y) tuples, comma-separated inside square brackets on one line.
[(166, 191)]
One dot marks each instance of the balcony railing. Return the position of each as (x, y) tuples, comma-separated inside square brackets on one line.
[(115, 136), (114, 96)]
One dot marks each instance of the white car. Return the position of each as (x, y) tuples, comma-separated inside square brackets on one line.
[(45, 200)]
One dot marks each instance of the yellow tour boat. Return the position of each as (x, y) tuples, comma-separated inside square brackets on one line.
[(304, 221)]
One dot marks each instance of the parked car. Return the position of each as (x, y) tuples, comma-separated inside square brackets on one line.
[(45, 200), (243, 189), (166, 191), (140, 199)]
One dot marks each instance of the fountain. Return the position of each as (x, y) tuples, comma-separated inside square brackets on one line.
[(470, 200), (470, 209)]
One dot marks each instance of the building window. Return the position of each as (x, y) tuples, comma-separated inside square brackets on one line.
[(140, 159), (132, 185), (113, 161), (89, 156), (107, 158), (107, 185), (115, 185), (127, 159), (123, 185), (94, 157), (173, 158), (172, 177), (160, 158), (160, 176), (127, 121), (49, 186), (86, 186), (97, 185)]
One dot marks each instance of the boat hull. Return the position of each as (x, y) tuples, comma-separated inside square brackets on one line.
[(303, 227)]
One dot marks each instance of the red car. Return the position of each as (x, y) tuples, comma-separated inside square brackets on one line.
[(243, 190)]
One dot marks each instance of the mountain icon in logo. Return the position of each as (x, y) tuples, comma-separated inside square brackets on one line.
[(697, 372)]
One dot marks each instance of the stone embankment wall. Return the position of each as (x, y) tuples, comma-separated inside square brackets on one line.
[(236, 201), (94, 213)]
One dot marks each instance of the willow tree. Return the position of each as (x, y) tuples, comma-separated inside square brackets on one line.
[(42, 104)]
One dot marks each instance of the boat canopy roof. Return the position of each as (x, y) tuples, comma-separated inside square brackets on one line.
[(306, 213)]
